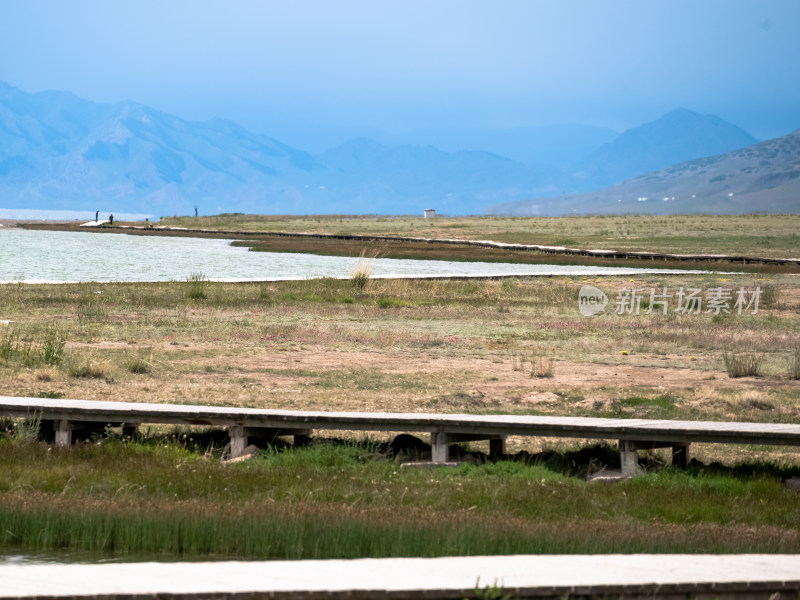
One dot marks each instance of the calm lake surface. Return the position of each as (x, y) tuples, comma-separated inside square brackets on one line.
[(56, 256)]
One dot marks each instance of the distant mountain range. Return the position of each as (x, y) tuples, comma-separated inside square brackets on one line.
[(58, 151), (676, 137), (764, 177)]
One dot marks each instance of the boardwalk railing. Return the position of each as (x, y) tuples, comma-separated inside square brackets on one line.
[(68, 416)]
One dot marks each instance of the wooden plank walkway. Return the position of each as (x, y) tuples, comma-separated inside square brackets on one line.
[(622, 576), (67, 416)]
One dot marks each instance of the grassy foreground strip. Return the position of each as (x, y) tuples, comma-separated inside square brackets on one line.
[(156, 498)]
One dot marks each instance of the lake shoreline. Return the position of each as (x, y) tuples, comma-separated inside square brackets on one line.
[(115, 256), (455, 250)]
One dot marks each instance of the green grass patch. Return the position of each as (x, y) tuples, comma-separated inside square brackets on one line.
[(45, 350), (161, 497), (394, 303)]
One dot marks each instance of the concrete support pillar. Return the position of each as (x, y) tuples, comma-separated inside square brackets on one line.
[(629, 460), (128, 431), (302, 439), (497, 448), (680, 455), (63, 431), (440, 449), (238, 440)]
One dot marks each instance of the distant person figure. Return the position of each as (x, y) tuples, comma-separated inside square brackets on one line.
[(110, 219), (195, 211), (96, 216)]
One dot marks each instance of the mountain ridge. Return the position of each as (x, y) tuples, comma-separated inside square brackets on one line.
[(763, 177), (677, 136), (60, 151)]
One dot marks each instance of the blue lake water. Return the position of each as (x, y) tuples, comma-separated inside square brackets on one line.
[(56, 256)]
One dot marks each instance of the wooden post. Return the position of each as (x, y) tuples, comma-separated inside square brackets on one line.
[(238, 440), (63, 433), (440, 450), (628, 458), (680, 455), (497, 448)]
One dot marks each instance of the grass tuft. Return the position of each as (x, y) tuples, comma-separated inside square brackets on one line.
[(363, 271), (139, 365), (86, 370), (197, 286), (745, 364), (26, 431), (794, 365), (543, 363)]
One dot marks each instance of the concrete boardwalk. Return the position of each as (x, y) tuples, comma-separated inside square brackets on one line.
[(68, 416), (619, 576)]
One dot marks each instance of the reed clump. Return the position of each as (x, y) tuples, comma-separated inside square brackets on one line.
[(363, 271)]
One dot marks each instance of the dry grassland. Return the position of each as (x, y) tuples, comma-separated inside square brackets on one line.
[(753, 235), (428, 346)]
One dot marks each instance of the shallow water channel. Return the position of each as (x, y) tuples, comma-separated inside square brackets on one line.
[(60, 256)]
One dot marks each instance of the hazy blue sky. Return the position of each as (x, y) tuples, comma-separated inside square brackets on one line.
[(413, 64)]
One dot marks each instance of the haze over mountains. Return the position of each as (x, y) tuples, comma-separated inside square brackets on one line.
[(58, 151)]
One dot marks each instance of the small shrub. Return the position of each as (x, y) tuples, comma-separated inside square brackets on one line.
[(26, 430), (745, 364), (53, 347), (31, 354)]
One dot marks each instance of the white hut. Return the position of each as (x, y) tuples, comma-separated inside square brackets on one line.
[(429, 213)]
